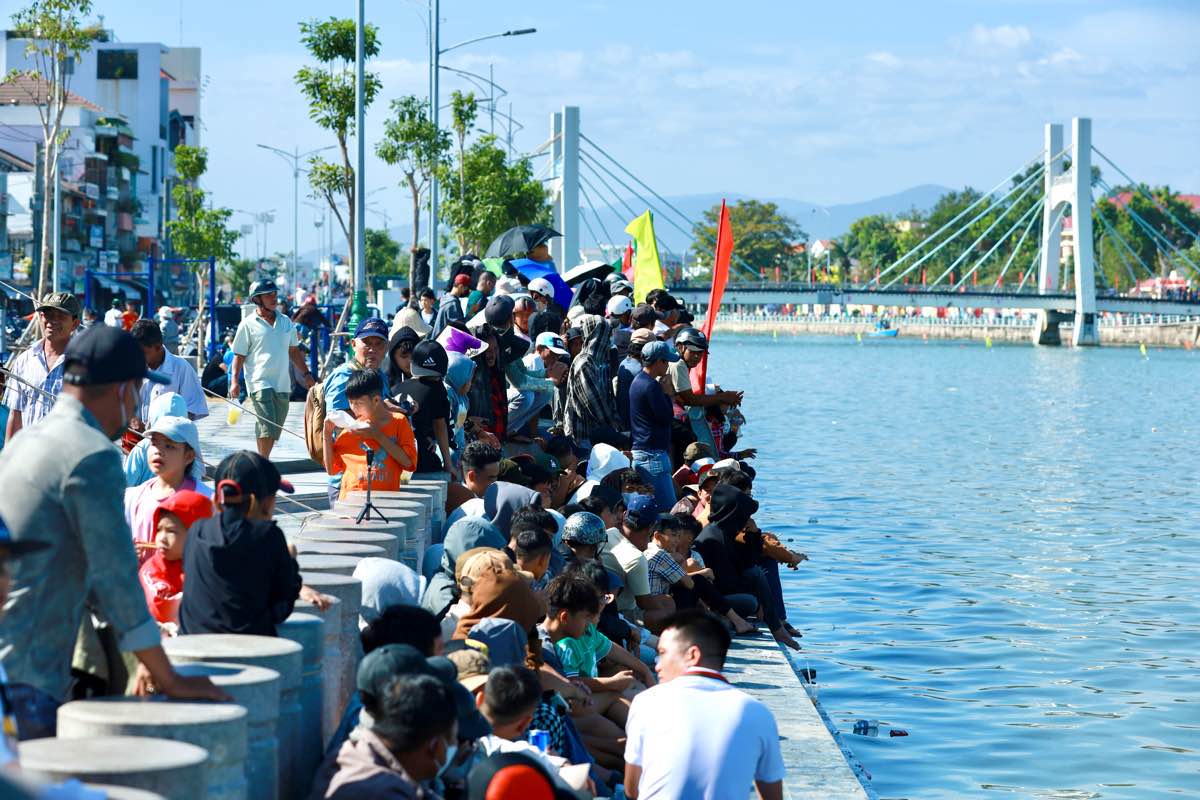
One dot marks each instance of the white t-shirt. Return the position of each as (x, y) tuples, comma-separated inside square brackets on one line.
[(699, 737), (620, 555), (184, 382), (112, 318)]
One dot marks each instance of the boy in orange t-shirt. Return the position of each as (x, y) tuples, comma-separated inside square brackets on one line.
[(388, 433)]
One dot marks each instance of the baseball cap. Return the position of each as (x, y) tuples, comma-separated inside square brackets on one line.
[(189, 506), (429, 360), (61, 301), (641, 510), (644, 314), (573, 333), (462, 279), (178, 429), (473, 667), (263, 287), (405, 335), (658, 351), (384, 664), (506, 642), (575, 312), (641, 337), (499, 311), (618, 304), (246, 472), (541, 286), (696, 450), (584, 527), (551, 341), (11, 548), (371, 326), (103, 354)]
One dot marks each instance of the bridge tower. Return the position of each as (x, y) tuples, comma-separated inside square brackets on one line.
[(564, 152), (1068, 186)]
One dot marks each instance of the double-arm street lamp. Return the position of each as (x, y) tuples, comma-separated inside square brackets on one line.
[(293, 159)]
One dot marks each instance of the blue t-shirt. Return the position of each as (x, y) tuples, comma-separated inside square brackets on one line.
[(650, 414), (336, 400), (627, 370)]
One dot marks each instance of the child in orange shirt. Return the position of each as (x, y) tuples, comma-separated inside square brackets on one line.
[(387, 432), (161, 575)]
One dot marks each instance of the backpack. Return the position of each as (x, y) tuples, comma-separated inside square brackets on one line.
[(314, 422)]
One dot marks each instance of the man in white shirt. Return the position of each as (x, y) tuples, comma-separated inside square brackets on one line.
[(112, 317), (694, 735), (184, 380)]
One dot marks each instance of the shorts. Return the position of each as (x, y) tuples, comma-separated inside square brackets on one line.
[(270, 409)]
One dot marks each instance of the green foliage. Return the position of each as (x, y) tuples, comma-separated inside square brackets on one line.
[(463, 110), (1116, 262), (412, 143), (383, 253), (492, 196), (763, 236), (329, 88), (55, 29), (198, 232)]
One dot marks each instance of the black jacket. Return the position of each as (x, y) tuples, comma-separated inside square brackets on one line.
[(730, 510), (238, 577)]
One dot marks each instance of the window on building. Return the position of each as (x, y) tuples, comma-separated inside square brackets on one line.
[(154, 168), (116, 64)]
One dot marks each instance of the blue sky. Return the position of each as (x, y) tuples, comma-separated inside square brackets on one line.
[(828, 102)]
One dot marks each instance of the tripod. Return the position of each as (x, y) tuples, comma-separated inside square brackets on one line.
[(369, 507)]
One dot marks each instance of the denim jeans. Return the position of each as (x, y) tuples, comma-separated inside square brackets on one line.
[(771, 569), (744, 604), (754, 581), (657, 464), (524, 406), (36, 712)]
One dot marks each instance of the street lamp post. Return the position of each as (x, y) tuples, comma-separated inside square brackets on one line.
[(359, 309), (293, 158), (435, 53)]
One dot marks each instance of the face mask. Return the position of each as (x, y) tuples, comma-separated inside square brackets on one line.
[(451, 752), (125, 416)]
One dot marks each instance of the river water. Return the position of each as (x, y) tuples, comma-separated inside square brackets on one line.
[(1004, 554)]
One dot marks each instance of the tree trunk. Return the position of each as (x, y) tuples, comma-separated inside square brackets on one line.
[(47, 218)]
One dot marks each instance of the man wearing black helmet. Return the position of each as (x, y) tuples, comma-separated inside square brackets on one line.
[(264, 343)]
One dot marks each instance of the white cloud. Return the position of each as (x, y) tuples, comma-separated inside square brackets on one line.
[(1006, 37), (884, 59)]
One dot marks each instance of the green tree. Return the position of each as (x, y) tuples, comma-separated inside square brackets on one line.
[(412, 143), (56, 35), (383, 253), (874, 241), (463, 110), (198, 232), (763, 236), (493, 195), (1158, 251), (329, 89)]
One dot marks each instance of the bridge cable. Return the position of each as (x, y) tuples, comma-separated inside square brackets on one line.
[(1137, 187), (628, 209), (1037, 257), (594, 164), (584, 185), (587, 223), (1120, 255), (1027, 216), (958, 261), (955, 219), (1024, 184), (1155, 235), (1113, 232), (1017, 249), (638, 181)]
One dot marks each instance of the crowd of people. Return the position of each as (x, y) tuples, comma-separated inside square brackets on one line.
[(564, 637)]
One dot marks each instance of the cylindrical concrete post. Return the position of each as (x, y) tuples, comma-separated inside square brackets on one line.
[(349, 591), (409, 501), (331, 662), (124, 792), (219, 728), (335, 522), (413, 519), (340, 549), (255, 689), (173, 769), (390, 544), (308, 631), (281, 655), (337, 565)]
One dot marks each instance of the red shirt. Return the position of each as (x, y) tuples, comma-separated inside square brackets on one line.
[(128, 318), (162, 581)]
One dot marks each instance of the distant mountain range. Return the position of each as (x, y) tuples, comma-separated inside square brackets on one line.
[(607, 225)]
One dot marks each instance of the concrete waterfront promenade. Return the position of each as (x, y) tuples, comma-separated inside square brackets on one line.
[(1182, 332)]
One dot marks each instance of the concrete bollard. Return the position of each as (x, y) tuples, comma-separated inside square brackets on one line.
[(391, 544), (417, 502), (219, 728), (432, 506), (340, 549), (281, 655), (308, 631), (331, 663), (349, 591), (337, 565), (339, 522), (255, 689), (172, 769), (123, 792)]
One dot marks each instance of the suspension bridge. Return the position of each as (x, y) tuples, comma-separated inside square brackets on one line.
[(1056, 185)]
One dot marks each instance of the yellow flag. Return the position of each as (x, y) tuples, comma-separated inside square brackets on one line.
[(647, 272)]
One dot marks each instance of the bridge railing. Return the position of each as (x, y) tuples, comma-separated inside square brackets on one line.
[(961, 321)]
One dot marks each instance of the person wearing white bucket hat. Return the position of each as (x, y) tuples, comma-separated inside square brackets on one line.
[(176, 460)]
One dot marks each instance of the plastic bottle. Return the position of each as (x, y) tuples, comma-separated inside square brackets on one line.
[(866, 727), (540, 740), (235, 414)]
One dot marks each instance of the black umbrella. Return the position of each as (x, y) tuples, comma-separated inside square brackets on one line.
[(520, 239)]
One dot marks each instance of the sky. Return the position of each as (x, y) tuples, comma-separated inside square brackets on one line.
[(826, 102)]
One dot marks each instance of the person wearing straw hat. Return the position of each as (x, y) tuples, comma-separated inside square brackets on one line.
[(36, 375), (62, 484), (264, 343)]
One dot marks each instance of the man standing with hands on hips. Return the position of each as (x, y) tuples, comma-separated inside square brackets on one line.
[(264, 343)]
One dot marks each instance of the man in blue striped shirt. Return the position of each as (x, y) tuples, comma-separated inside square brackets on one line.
[(37, 374)]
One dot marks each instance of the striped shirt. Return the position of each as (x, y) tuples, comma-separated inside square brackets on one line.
[(31, 367)]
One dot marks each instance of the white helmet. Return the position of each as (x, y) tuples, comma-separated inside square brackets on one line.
[(618, 305), (542, 286)]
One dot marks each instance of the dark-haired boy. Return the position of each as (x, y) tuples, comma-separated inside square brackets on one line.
[(667, 558), (531, 548), (385, 432)]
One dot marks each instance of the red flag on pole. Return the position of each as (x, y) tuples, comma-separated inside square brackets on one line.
[(627, 263), (720, 275)]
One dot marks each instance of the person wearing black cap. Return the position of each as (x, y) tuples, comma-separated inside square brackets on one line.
[(37, 374), (63, 483), (431, 420), (264, 343)]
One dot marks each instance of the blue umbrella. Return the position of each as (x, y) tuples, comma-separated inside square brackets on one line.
[(534, 269)]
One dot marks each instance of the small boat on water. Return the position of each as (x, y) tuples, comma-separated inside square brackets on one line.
[(883, 330)]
